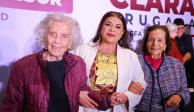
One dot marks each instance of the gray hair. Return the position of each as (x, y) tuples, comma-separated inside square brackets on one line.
[(172, 27), (41, 29)]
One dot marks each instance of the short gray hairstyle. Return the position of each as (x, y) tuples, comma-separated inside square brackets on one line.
[(41, 29), (172, 27)]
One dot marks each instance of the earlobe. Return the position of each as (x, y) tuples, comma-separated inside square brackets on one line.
[(164, 48), (69, 46)]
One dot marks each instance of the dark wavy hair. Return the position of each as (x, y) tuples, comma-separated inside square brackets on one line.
[(147, 33), (123, 41)]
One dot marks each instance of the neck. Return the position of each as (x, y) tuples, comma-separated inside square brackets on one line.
[(108, 49), (157, 56), (47, 56)]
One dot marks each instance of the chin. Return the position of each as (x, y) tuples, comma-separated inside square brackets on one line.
[(155, 54)]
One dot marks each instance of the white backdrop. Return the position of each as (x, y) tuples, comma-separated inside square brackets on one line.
[(19, 17)]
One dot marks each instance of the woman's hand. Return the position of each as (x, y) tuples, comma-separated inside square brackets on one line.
[(86, 101), (136, 88), (118, 98), (173, 101)]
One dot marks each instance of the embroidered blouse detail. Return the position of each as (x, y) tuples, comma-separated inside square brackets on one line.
[(103, 73)]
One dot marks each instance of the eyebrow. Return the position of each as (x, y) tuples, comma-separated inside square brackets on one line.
[(111, 23)]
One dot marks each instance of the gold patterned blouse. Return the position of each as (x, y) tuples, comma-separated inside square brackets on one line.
[(103, 73)]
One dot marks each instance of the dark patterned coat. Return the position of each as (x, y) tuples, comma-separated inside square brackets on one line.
[(28, 85), (168, 80)]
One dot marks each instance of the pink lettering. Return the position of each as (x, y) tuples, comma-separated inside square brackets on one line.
[(186, 5), (65, 6), (135, 6), (172, 6), (120, 5), (157, 5)]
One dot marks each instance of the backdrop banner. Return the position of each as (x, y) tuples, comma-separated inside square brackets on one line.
[(18, 19)]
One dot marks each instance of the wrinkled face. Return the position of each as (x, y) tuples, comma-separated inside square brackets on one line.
[(156, 42), (58, 38), (112, 30)]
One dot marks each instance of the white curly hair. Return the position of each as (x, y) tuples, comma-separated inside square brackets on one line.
[(172, 27), (41, 29)]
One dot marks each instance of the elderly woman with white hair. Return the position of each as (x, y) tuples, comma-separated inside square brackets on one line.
[(51, 80), (174, 51)]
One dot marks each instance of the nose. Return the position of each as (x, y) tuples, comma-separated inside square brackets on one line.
[(57, 39), (112, 29), (154, 42)]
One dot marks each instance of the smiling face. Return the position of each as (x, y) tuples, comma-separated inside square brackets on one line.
[(112, 30), (58, 39), (156, 43)]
